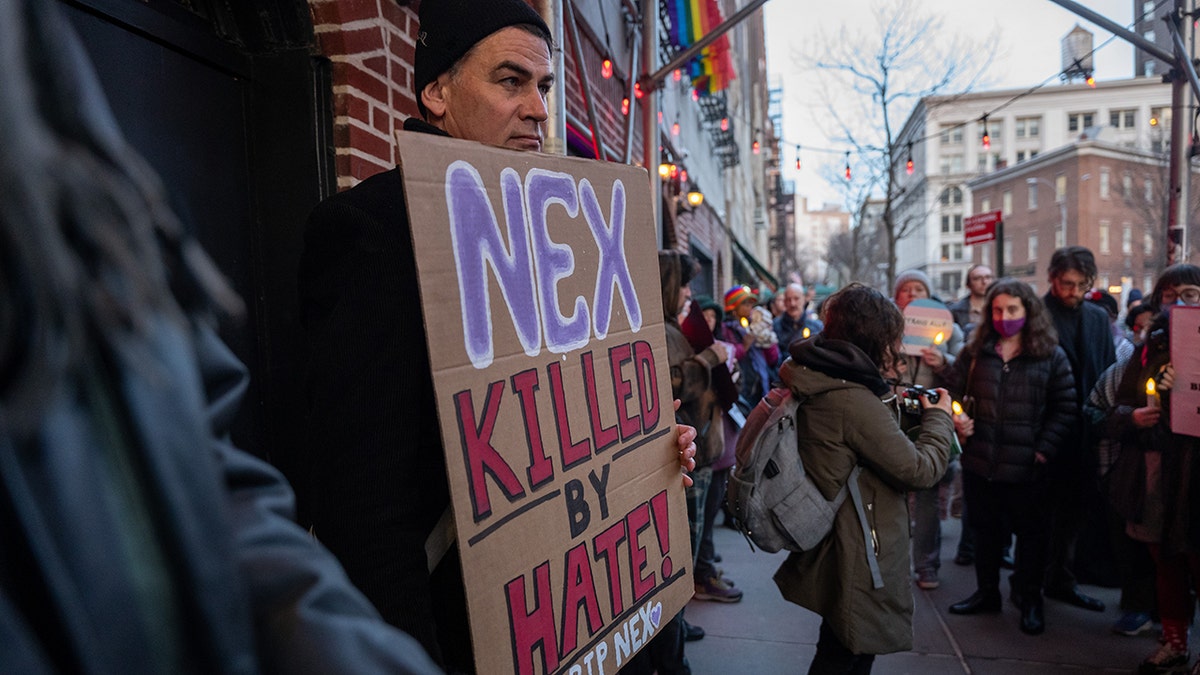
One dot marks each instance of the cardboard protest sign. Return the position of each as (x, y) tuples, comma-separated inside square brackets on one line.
[(1185, 356), (543, 311), (926, 323)]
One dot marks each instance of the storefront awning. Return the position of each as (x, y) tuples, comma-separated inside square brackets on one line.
[(748, 259)]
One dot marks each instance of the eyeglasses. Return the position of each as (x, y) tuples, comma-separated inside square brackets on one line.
[(1081, 286), (1189, 295)]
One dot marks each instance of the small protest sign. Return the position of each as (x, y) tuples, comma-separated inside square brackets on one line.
[(926, 323), (1185, 357), (541, 303)]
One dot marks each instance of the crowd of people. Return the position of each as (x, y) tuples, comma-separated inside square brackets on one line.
[(178, 553), (1056, 423)]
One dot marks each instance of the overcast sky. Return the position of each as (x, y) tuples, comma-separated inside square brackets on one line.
[(1029, 31)]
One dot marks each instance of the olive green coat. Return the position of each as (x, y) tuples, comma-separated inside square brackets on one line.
[(840, 424)]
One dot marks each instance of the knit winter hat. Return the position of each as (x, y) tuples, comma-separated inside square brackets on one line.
[(706, 302), (1135, 294), (449, 28), (1105, 300), (735, 296), (912, 275)]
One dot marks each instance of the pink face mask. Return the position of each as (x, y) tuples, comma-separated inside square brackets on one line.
[(1008, 327)]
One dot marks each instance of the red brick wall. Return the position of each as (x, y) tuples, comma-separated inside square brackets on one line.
[(371, 44), (607, 95)]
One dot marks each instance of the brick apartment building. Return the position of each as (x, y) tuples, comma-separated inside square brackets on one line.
[(1110, 198)]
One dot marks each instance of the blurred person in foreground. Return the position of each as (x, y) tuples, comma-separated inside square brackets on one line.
[(1019, 398), (849, 418), (133, 537)]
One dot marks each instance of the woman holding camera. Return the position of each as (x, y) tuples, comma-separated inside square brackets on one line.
[(1019, 393), (848, 418)]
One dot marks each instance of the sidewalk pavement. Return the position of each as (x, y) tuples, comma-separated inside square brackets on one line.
[(766, 634)]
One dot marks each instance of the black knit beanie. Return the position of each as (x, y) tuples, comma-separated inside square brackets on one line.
[(449, 28)]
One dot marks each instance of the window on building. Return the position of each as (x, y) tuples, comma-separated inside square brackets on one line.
[(1160, 118), (1060, 189), (1122, 119), (1127, 239), (985, 204), (1127, 186), (952, 164), (1147, 67), (951, 282), (952, 134), (1028, 127), (952, 223), (1147, 242), (1060, 237), (1147, 283), (952, 196), (1033, 196), (1148, 8), (1102, 234), (1023, 155), (1105, 179), (1148, 190), (995, 132), (1080, 121), (1008, 249), (1006, 203), (1033, 247), (1149, 35), (952, 252)]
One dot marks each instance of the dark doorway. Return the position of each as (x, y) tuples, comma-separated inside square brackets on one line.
[(227, 104)]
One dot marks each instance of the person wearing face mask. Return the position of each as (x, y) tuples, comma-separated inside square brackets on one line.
[(1020, 406)]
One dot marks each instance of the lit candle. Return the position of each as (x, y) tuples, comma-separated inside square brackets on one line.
[(957, 407), (745, 322), (1152, 397), (937, 339), (806, 332)]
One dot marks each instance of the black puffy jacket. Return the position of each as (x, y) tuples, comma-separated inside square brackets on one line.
[(1021, 407)]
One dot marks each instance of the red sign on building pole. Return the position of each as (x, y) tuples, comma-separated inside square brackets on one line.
[(980, 228)]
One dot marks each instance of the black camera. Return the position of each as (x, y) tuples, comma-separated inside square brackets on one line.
[(910, 399), (1158, 341)]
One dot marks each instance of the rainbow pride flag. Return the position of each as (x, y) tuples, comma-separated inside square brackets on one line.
[(712, 70)]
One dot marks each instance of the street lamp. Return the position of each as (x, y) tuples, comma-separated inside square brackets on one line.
[(1061, 236)]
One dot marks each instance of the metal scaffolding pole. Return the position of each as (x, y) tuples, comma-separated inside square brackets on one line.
[(556, 125), (650, 136)]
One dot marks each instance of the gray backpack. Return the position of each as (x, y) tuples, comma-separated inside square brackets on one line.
[(774, 502)]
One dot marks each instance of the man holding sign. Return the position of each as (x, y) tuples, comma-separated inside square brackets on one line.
[(375, 487)]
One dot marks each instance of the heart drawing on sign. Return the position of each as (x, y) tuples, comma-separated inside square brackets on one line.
[(656, 614)]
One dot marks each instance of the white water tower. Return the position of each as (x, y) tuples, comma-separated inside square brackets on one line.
[(1077, 55)]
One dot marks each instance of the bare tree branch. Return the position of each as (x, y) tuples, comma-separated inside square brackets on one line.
[(870, 82)]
